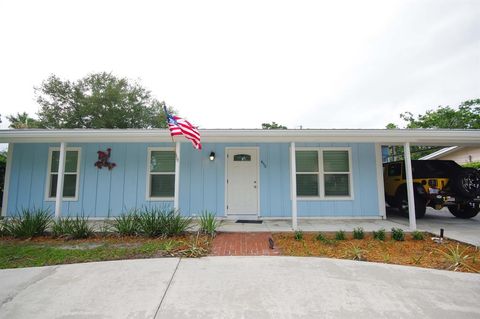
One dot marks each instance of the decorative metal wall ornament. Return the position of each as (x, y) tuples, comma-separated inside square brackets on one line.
[(104, 160)]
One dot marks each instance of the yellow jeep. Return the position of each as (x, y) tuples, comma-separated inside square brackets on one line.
[(436, 183)]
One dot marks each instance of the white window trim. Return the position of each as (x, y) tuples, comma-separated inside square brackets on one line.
[(149, 157), (49, 174), (321, 173)]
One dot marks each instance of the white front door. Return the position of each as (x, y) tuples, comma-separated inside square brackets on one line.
[(242, 181)]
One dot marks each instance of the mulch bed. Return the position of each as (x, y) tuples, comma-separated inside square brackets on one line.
[(421, 253)]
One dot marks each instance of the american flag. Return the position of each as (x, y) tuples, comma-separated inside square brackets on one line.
[(179, 126)]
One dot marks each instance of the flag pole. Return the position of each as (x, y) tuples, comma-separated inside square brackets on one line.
[(173, 141)]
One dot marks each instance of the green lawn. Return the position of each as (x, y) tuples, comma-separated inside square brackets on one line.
[(16, 253)]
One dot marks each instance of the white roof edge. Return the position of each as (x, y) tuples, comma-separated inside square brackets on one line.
[(437, 154), (419, 137)]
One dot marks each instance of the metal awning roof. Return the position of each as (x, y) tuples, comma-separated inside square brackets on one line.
[(391, 137)]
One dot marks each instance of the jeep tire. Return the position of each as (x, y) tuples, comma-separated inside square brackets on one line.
[(464, 211), (402, 204)]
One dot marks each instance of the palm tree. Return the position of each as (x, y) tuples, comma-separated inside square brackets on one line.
[(22, 120)]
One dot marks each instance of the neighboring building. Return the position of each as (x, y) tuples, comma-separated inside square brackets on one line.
[(237, 174), (461, 155)]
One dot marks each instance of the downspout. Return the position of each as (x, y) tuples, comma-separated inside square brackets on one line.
[(60, 178), (293, 185), (410, 193)]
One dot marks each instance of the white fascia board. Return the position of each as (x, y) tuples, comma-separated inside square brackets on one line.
[(389, 137), (443, 151)]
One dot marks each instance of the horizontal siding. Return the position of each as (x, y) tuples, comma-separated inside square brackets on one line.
[(104, 193)]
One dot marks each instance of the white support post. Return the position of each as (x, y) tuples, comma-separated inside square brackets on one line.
[(380, 186), (177, 176), (6, 184), (410, 193), (293, 185), (60, 177)]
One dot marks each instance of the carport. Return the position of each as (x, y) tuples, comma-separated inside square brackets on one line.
[(427, 138)]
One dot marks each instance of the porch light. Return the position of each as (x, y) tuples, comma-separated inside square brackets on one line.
[(212, 156)]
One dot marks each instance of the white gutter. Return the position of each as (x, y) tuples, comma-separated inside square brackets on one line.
[(391, 137)]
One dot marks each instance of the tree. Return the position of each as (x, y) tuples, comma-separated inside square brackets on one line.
[(23, 120), (391, 126), (99, 100), (273, 126), (467, 116)]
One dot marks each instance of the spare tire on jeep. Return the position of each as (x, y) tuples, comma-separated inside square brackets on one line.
[(466, 183)]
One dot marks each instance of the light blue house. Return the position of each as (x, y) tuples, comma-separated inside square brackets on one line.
[(247, 174)]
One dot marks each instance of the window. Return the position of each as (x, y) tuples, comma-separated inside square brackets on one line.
[(242, 158), (323, 173), (70, 177), (336, 167), (161, 174), (307, 173)]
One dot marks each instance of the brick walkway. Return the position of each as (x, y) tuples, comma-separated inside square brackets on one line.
[(243, 244)]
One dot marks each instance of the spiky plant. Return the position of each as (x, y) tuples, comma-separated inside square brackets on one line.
[(209, 223), (29, 223), (456, 258)]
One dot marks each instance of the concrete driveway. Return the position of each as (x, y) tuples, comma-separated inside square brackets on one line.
[(465, 230), (237, 287)]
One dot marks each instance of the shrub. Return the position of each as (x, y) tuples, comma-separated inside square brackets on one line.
[(379, 234), (340, 235), (417, 235), (472, 165), (298, 235), (174, 223), (80, 228), (355, 253), (161, 222), (358, 233), (208, 223), (62, 227), (398, 234), (320, 237), (72, 228), (126, 224), (151, 223), (30, 223)]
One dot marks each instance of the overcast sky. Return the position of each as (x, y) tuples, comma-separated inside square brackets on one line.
[(225, 64)]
